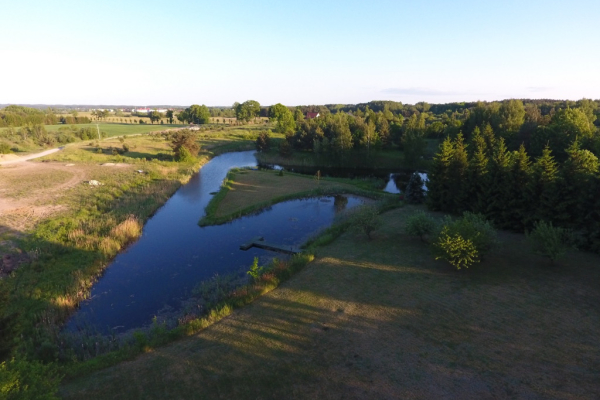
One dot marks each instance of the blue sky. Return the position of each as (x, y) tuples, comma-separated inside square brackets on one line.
[(310, 52)]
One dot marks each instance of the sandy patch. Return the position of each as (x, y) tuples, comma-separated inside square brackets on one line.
[(29, 192), (8, 157)]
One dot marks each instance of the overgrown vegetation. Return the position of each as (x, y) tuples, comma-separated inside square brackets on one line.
[(549, 241), (420, 224), (366, 219), (463, 241)]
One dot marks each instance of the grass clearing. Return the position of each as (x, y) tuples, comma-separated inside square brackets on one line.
[(383, 319), (246, 191)]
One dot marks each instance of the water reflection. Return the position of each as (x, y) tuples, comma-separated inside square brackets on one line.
[(174, 254)]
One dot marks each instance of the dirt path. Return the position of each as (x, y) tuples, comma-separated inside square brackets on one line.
[(28, 191), (31, 156)]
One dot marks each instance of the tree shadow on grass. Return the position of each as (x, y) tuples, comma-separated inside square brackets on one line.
[(387, 322), (40, 288)]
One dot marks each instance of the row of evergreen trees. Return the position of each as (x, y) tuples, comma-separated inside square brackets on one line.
[(513, 190)]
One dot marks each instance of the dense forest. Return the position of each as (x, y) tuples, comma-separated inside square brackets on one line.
[(520, 164), (535, 124)]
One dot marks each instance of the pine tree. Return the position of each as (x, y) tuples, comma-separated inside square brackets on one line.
[(544, 189), (457, 173), (577, 197), (490, 140), (414, 190), (518, 206), (495, 193), (476, 173), (438, 186)]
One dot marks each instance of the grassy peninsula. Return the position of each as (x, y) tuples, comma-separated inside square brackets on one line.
[(245, 191)]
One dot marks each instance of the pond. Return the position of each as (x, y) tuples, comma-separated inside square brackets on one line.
[(174, 254)]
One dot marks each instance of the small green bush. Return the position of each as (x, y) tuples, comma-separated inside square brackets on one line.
[(255, 271), (420, 224), (548, 240), (28, 380), (5, 148), (473, 227), (184, 155), (366, 219), (455, 249)]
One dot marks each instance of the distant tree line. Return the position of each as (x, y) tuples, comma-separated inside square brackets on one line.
[(19, 116), (37, 135)]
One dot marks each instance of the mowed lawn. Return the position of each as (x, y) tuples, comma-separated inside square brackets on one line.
[(382, 319)]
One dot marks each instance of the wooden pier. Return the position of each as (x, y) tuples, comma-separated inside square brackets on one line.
[(259, 242)]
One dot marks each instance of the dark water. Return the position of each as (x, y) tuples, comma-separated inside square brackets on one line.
[(174, 254)]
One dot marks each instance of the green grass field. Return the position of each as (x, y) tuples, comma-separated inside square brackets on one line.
[(383, 319)]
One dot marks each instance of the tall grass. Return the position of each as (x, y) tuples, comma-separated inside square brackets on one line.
[(95, 351)]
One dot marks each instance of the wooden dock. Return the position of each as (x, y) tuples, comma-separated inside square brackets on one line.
[(259, 242)]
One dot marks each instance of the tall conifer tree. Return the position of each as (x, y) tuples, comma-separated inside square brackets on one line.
[(518, 206), (438, 186), (457, 175), (495, 193), (477, 173), (544, 188)]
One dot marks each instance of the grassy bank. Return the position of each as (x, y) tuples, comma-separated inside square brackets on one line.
[(383, 319), (69, 250), (64, 251), (246, 191)]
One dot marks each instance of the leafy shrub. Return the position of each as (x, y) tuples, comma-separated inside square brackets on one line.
[(420, 224), (28, 380), (473, 227), (125, 148), (455, 249), (255, 271), (548, 240), (184, 145), (366, 219), (5, 148)]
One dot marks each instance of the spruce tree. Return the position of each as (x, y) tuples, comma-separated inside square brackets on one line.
[(438, 186), (476, 173), (518, 206), (577, 197), (495, 192), (544, 188), (490, 139), (457, 175)]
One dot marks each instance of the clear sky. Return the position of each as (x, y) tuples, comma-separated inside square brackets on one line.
[(311, 52)]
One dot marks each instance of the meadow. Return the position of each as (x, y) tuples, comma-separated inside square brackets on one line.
[(383, 319), (374, 318), (63, 231)]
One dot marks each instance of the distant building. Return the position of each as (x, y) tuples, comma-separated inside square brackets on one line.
[(311, 115), (147, 110)]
